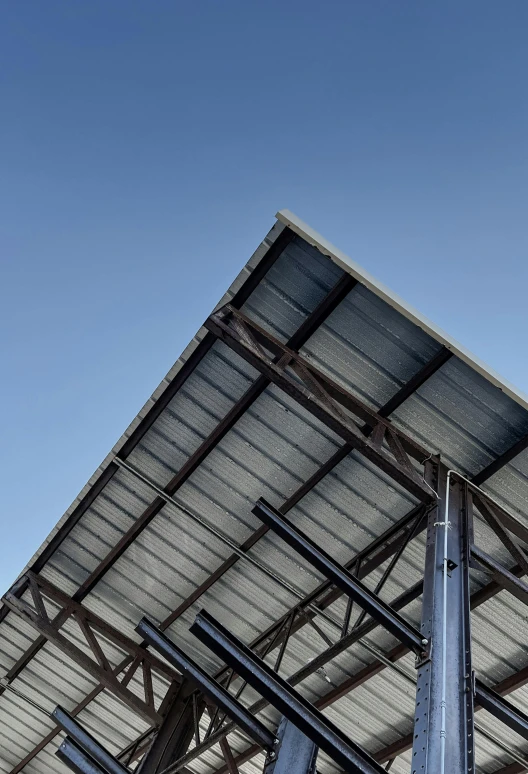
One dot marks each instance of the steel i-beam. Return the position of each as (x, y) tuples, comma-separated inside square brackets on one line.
[(342, 578), (498, 706), (76, 759), (208, 685), (283, 697), (95, 751)]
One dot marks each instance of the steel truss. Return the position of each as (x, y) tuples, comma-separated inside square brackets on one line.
[(388, 448), (392, 544), (249, 663), (96, 633), (176, 722), (491, 700)]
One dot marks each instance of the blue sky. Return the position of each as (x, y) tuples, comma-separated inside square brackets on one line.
[(145, 148)]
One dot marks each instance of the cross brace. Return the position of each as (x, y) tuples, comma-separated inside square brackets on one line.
[(388, 448), (95, 631)]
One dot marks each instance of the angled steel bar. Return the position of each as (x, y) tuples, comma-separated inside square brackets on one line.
[(497, 522), (323, 398), (517, 448), (241, 758), (501, 575), (87, 742), (500, 514), (416, 381), (174, 736), (76, 759), (284, 698), (207, 685), (342, 578), (503, 710), (410, 534), (228, 757), (513, 768)]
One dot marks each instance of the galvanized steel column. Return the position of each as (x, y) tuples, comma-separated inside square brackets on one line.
[(444, 697), (295, 753)]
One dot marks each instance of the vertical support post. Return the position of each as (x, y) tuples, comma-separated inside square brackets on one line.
[(174, 736), (294, 754), (443, 730)]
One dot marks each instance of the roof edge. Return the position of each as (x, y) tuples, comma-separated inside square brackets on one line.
[(311, 236), (245, 272)]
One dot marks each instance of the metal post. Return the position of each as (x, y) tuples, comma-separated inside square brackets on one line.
[(172, 740), (295, 753), (443, 731)]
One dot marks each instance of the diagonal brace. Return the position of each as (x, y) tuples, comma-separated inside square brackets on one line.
[(342, 578)]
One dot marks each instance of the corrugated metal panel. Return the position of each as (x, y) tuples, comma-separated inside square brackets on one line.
[(372, 349)]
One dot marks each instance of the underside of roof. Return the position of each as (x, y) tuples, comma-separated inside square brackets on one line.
[(165, 526)]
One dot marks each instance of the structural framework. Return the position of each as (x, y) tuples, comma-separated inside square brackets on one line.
[(308, 551)]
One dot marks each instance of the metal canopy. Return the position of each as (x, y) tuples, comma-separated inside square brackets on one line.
[(312, 388)]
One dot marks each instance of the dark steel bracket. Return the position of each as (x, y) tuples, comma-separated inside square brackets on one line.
[(451, 565)]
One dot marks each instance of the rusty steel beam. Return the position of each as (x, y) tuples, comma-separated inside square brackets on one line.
[(324, 398), (96, 664)]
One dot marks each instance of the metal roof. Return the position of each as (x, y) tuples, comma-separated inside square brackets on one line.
[(373, 344)]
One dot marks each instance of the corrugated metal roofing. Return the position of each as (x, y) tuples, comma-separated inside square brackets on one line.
[(371, 344)]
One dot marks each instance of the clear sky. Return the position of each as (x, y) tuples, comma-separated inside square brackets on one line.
[(145, 148)]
